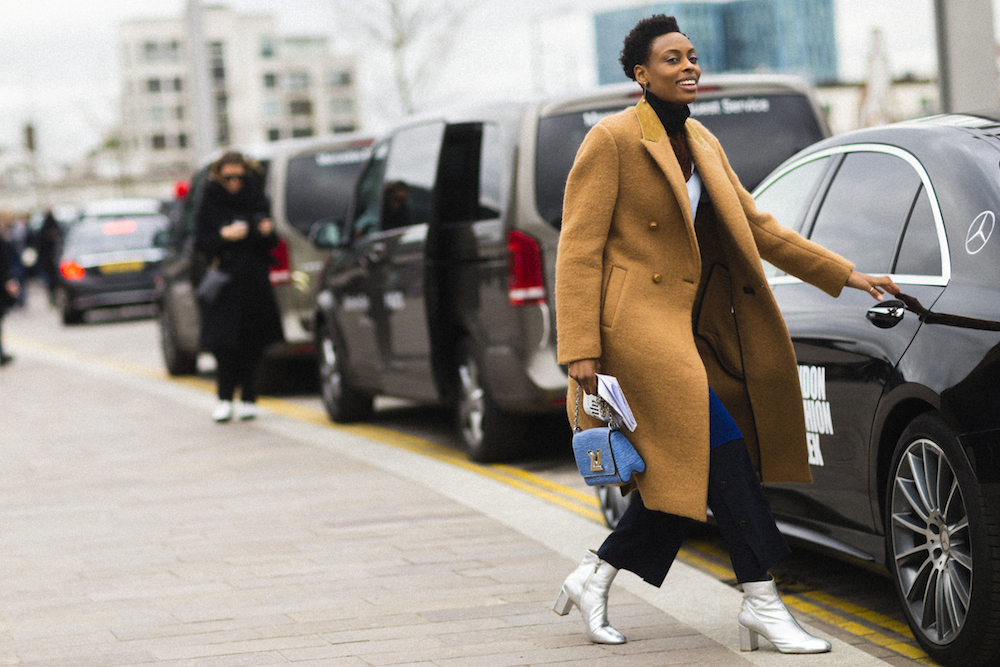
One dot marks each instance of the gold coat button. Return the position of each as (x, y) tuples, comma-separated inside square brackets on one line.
[(653, 225), (657, 277)]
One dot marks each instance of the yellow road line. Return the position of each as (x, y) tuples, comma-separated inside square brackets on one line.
[(568, 498)]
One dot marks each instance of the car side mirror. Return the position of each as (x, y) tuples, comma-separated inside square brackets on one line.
[(325, 234)]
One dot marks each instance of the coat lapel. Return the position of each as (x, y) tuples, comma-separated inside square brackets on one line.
[(715, 180), (657, 143)]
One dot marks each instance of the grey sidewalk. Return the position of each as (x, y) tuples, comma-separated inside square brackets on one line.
[(135, 531)]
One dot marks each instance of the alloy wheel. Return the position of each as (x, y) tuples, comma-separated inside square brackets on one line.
[(471, 404), (931, 542)]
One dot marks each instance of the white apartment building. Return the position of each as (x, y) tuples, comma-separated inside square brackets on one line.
[(264, 87)]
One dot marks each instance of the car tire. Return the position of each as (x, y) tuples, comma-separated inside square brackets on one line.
[(489, 433), (343, 403), (176, 360), (613, 504), (943, 546), (69, 314)]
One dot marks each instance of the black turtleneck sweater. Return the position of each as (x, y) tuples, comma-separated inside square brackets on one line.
[(673, 117)]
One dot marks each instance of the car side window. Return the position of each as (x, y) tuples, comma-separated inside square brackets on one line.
[(410, 174), (920, 252), (787, 198), (865, 209)]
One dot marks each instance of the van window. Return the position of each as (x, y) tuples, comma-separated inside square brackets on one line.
[(410, 173), (368, 195), (559, 138), (758, 132), (319, 185)]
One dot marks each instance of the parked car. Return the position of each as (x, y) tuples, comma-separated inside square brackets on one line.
[(111, 256), (902, 398), (441, 291), (310, 182)]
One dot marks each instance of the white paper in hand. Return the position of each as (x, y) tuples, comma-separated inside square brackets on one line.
[(609, 395)]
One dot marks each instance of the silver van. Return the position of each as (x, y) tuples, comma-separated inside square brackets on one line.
[(441, 290), (310, 183)]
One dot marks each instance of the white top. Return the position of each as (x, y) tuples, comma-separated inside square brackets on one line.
[(694, 190)]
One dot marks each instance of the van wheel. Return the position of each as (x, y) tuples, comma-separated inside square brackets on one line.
[(70, 315), (177, 361), (943, 543), (343, 402), (489, 433)]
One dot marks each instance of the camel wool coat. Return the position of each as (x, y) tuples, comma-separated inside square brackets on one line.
[(669, 313)]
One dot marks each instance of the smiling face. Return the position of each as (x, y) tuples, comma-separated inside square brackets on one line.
[(671, 71)]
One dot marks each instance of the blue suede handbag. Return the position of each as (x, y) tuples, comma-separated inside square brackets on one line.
[(604, 455)]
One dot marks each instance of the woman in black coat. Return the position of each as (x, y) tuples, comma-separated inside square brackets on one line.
[(235, 231), (10, 289)]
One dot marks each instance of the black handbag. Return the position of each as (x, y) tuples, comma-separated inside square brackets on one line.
[(604, 455), (211, 285)]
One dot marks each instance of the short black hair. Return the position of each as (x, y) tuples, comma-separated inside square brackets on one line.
[(635, 50)]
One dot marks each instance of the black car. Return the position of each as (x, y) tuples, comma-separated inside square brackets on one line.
[(902, 398), (111, 257)]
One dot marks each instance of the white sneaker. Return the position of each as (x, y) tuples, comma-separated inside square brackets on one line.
[(247, 410), (223, 412)]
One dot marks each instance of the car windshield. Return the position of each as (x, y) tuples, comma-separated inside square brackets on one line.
[(758, 132), (110, 234)]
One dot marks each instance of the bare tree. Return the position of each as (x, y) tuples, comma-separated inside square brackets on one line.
[(417, 34)]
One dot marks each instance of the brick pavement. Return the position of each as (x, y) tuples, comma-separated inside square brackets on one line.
[(136, 531)]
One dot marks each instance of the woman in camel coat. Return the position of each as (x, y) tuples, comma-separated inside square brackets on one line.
[(659, 283)]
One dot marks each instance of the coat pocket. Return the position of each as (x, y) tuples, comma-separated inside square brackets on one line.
[(612, 295), (717, 322)]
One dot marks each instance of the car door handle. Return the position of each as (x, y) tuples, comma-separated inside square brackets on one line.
[(887, 314)]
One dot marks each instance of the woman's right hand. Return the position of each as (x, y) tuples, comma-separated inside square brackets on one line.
[(585, 371)]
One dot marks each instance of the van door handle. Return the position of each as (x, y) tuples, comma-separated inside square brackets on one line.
[(887, 314), (376, 253)]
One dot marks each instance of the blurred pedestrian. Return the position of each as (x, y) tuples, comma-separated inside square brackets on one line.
[(236, 234), (659, 282), (14, 234), (10, 290), (47, 244)]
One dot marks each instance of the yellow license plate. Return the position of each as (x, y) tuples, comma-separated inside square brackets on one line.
[(122, 267)]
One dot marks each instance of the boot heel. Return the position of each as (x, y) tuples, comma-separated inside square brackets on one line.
[(749, 640), (563, 603)]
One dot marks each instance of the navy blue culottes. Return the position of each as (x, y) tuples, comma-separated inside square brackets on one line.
[(646, 541)]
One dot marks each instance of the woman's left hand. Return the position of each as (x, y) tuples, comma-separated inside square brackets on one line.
[(265, 227), (874, 285)]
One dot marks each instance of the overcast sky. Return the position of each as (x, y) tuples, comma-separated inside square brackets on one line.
[(58, 59)]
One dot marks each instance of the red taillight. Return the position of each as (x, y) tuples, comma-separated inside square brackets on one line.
[(280, 272), (71, 270), (525, 273)]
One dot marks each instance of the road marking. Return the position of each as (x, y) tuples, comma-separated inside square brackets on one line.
[(697, 554)]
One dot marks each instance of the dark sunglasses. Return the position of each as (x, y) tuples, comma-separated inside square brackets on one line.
[(233, 178)]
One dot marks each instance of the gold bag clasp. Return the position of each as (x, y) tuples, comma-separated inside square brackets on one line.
[(595, 461)]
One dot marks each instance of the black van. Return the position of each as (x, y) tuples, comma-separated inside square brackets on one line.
[(442, 290)]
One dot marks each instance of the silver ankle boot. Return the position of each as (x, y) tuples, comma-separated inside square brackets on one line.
[(765, 614), (587, 587)]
